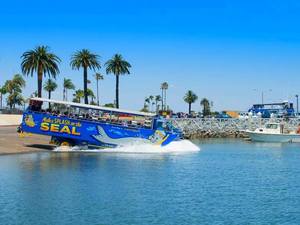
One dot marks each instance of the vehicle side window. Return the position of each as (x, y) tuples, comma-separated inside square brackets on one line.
[(272, 126), (159, 124)]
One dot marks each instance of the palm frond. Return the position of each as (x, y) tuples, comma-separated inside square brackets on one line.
[(117, 65)]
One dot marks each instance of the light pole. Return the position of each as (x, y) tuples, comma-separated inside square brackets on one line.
[(262, 94), (297, 102)]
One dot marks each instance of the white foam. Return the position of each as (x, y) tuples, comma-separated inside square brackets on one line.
[(184, 146)]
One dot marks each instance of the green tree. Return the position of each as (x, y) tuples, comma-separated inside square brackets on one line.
[(206, 106), (78, 95), (190, 98), (14, 89), (43, 62), (86, 60), (50, 86), (109, 105), (118, 66), (98, 77), (144, 109), (68, 85)]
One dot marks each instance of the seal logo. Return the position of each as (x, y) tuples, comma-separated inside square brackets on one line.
[(29, 121)]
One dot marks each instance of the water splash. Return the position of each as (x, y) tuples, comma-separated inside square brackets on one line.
[(178, 147)]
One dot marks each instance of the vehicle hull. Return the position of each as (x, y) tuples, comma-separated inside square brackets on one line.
[(90, 132), (268, 137)]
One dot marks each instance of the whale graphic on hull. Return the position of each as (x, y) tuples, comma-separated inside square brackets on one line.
[(104, 138)]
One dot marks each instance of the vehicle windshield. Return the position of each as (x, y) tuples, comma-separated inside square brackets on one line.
[(272, 126), (165, 125)]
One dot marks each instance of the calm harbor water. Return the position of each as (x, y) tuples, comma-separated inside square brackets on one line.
[(227, 182)]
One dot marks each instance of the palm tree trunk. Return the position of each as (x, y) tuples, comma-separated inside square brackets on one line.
[(190, 108), (86, 100), (162, 99), (49, 97), (117, 91), (40, 80), (97, 92), (165, 101), (1, 96), (64, 94)]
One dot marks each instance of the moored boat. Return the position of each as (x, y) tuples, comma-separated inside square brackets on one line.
[(273, 132), (71, 124)]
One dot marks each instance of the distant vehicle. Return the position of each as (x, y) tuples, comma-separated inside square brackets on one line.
[(70, 124), (223, 116), (274, 132), (165, 113), (284, 109)]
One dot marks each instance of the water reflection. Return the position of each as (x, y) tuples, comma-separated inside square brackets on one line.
[(268, 145), (78, 160)]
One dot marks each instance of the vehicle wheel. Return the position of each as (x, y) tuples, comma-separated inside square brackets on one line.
[(65, 143)]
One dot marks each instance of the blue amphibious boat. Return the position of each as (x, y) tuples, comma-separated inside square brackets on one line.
[(71, 124)]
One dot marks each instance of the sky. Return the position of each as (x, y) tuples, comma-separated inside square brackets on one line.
[(227, 51)]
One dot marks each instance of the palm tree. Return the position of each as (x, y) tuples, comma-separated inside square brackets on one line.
[(190, 98), (151, 97), (91, 95), (157, 99), (34, 94), (98, 77), (14, 89), (15, 99), (68, 85), (78, 95), (50, 86), (147, 103), (2, 92), (14, 85), (43, 62), (118, 66), (164, 87), (87, 60), (206, 107)]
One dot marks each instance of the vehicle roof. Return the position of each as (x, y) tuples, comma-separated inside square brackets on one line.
[(273, 104), (106, 109)]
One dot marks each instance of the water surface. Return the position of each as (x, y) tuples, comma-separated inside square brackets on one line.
[(227, 182)]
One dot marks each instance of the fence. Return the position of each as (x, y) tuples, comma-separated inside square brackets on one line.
[(191, 126)]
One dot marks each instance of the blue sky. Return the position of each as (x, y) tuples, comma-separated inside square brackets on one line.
[(221, 50)]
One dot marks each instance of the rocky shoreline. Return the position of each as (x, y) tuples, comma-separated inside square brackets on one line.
[(211, 134)]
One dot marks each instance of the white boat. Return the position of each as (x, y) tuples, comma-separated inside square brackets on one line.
[(273, 132)]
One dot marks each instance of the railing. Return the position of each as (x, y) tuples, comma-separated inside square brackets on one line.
[(11, 111), (191, 126)]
